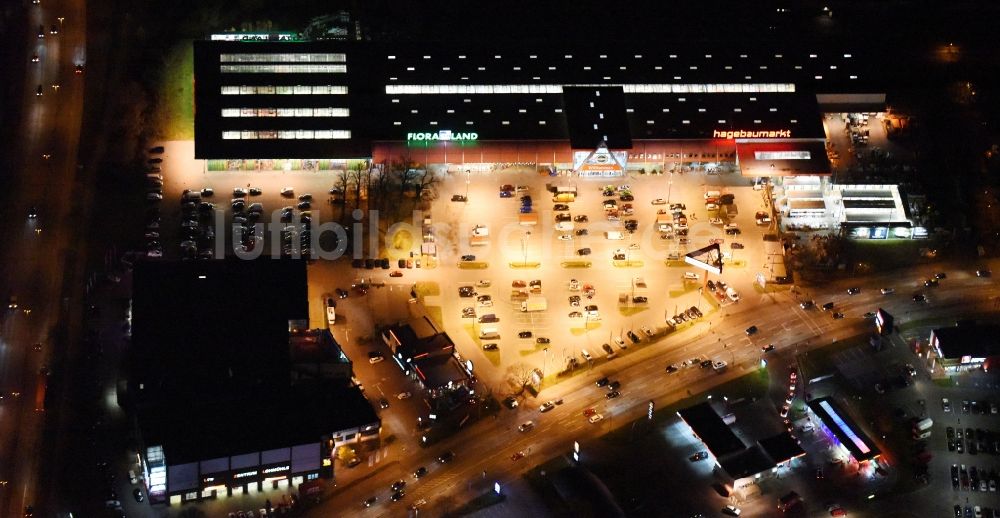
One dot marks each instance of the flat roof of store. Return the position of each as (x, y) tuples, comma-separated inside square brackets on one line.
[(711, 429), (844, 428), (968, 339)]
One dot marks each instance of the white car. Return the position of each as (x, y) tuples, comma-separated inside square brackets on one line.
[(288, 191), (403, 395), (715, 221), (483, 283), (647, 331), (730, 226), (732, 294), (586, 355), (565, 237), (690, 276), (711, 206), (887, 291), (564, 226), (546, 406), (659, 201), (526, 426), (595, 418), (574, 285), (620, 342)]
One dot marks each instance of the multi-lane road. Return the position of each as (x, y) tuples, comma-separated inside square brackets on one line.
[(490, 444), (43, 160)]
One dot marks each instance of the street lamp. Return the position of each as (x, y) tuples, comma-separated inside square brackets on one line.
[(55, 87), (545, 361), (524, 247), (670, 185), (468, 174), (61, 18)]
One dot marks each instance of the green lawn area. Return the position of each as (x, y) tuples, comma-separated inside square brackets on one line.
[(175, 109), (435, 313), (427, 289), (887, 255)]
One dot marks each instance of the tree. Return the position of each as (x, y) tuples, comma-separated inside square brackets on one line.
[(519, 377), (355, 176)]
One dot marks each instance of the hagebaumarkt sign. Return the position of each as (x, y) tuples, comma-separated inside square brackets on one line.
[(441, 135), (729, 134)]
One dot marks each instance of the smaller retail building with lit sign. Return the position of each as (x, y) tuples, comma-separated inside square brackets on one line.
[(964, 346)]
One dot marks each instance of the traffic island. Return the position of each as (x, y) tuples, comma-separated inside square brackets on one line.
[(674, 263), (525, 265), (473, 265), (576, 264), (634, 263)]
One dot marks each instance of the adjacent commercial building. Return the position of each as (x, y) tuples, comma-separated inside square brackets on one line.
[(965, 346), (739, 466), (428, 355), (230, 393), (842, 430)]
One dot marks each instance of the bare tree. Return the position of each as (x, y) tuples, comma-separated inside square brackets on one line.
[(355, 176), (426, 181), (404, 173), (518, 377)]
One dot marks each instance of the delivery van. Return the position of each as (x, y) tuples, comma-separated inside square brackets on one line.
[(614, 236)]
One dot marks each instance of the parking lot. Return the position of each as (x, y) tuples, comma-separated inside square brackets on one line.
[(644, 288)]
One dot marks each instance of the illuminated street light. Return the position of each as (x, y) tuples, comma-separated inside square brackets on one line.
[(46, 156), (55, 87), (61, 18)]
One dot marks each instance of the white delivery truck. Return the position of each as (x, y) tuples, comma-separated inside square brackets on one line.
[(489, 331), (614, 236), (922, 428), (534, 303)]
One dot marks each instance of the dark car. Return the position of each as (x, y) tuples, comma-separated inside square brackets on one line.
[(752, 330), (706, 364), (603, 382), (370, 501), (639, 300), (446, 457), (542, 340), (582, 218), (581, 232), (420, 472), (506, 194), (613, 394), (560, 207), (828, 306), (767, 348), (736, 246), (940, 275), (468, 257), (491, 347), (466, 291), (919, 297), (853, 291), (701, 455), (524, 334), (930, 283), (614, 385), (563, 217), (733, 231), (397, 496), (838, 315), (984, 273), (634, 337), (626, 197), (398, 485), (458, 197), (671, 369), (583, 251)]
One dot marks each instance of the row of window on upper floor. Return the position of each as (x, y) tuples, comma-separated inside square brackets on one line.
[(286, 112), (283, 69), (286, 135), (558, 89), (284, 90), (283, 58), (635, 56)]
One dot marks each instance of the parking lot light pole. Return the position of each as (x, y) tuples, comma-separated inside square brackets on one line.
[(670, 185), (524, 247), (468, 175)]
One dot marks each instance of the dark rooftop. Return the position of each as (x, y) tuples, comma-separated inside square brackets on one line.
[(747, 462), (968, 339), (711, 429), (781, 447), (202, 329)]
